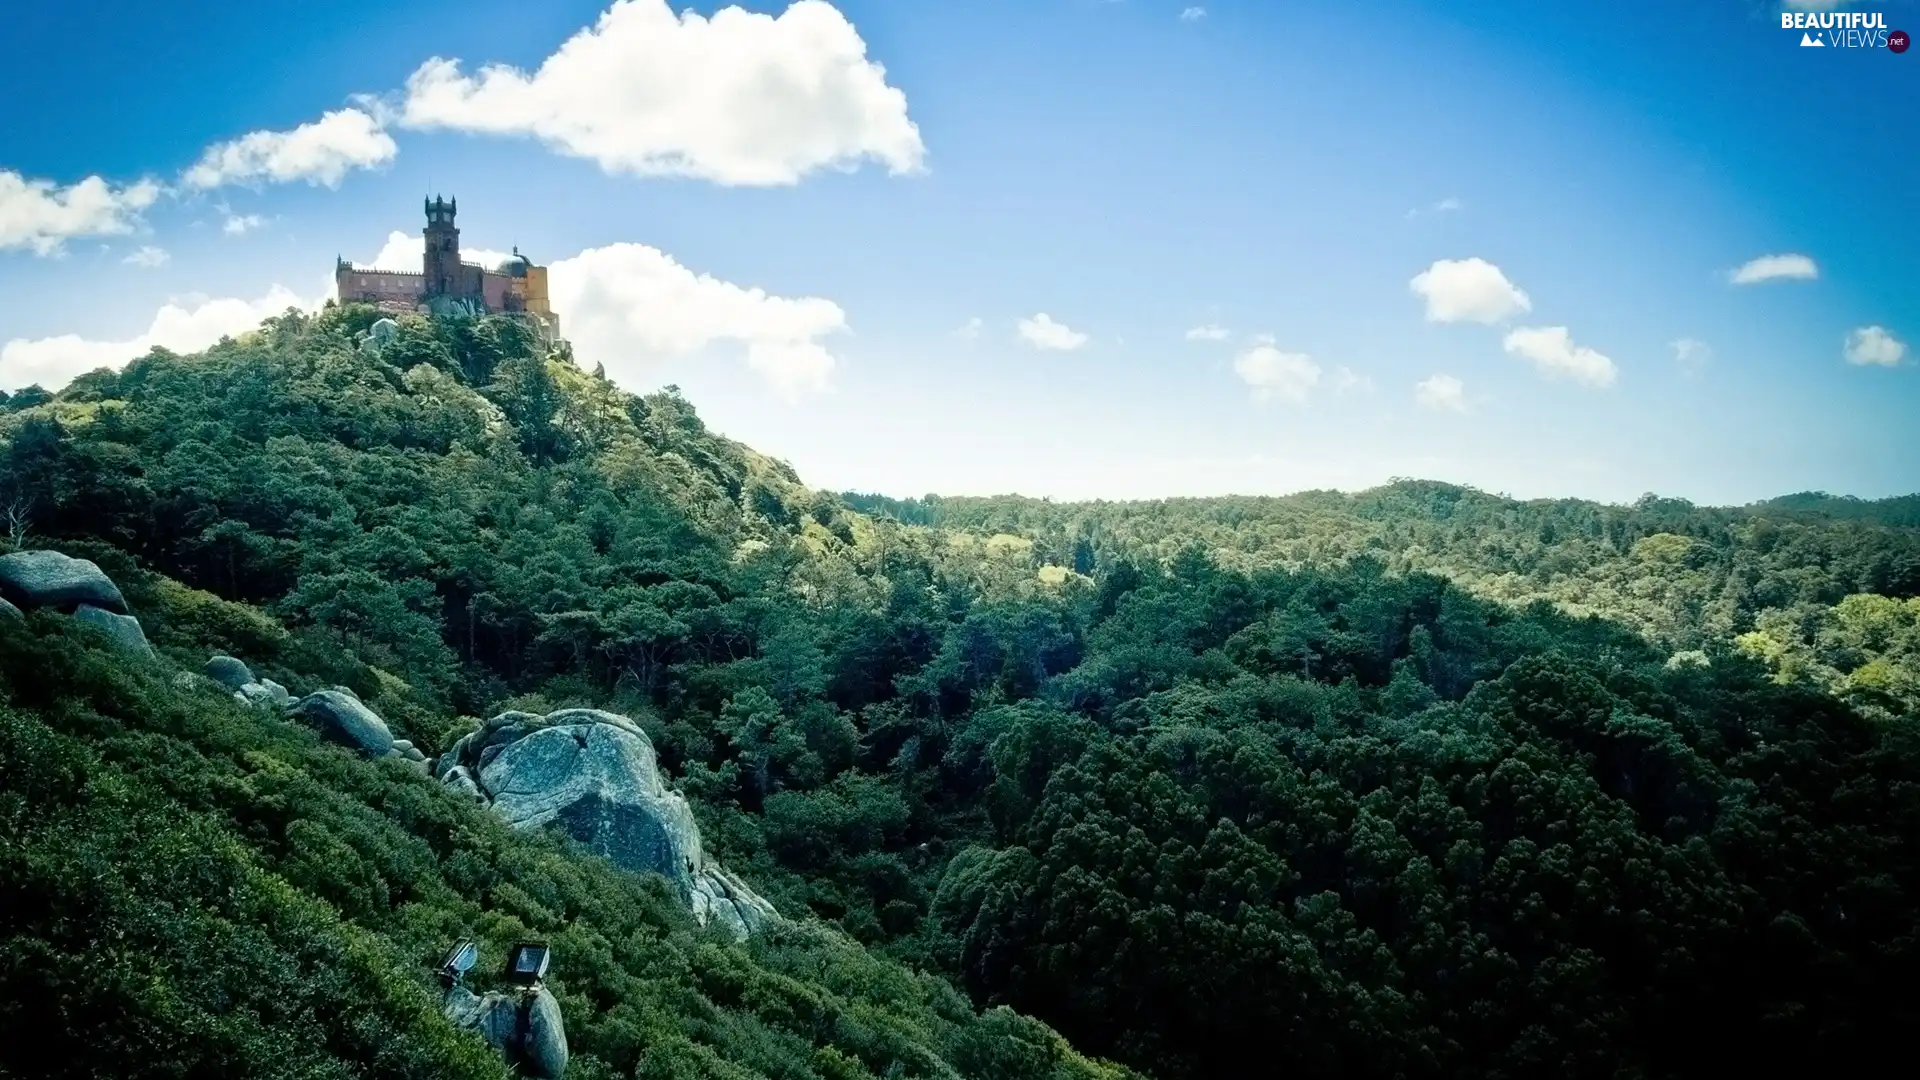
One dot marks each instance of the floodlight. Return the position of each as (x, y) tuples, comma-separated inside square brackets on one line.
[(460, 959), (527, 962)]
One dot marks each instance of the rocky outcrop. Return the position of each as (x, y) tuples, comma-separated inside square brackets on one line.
[(36, 579), (340, 717), (594, 775), (124, 630), (525, 1027)]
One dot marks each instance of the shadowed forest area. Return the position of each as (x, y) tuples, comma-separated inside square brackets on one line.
[(1415, 782)]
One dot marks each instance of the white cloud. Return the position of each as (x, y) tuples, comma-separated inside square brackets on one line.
[(1442, 393), (1275, 374), (41, 215), (1776, 268), (1043, 333), (242, 224), (1692, 355), (406, 252), (1468, 290), (1551, 349), (1193, 14), (739, 98), (1208, 332), (970, 330), (1447, 205), (53, 362), (148, 256), (1874, 345), (321, 152), (1345, 379), (632, 307)]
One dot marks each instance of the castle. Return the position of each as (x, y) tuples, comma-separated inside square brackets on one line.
[(445, 284)]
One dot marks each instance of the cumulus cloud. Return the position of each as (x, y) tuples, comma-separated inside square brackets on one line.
[(1193, 14), (738, 98), (321, 152), (1208, 332), (53, 362), (1272, 373), (1551, 349), (1441, 393), (1776, 268), (632, 307), (1043, 333), (148, 256), (42, 216), (1468, 290), (969, 330), (1874, 345), (405, 252), (242, 224), (1692, 355)]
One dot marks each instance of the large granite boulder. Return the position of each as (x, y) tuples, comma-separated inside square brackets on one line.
[(124, 630), (594, 775), (341, 717), (228, 672), (9, 613), (32, 579)]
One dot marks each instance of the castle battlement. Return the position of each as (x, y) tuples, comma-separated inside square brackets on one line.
[(447, 283)]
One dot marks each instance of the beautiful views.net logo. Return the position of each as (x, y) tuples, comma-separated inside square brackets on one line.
[(1844, 30)]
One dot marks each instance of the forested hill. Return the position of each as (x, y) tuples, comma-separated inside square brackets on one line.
[(1308, 783)]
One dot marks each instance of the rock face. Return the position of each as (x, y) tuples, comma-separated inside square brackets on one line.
[(123, 629), (341, 718), (526, 1029), (594, 775), (32, 579)]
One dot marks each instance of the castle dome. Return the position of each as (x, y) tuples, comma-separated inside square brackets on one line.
[(516, 265)]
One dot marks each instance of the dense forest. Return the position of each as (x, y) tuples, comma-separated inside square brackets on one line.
[(1418, 782)]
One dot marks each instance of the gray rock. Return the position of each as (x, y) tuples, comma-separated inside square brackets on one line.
[(260, 696), (460, 780), (525, 1028), (382, 332), (9, 613), (277, 692), (123, 629), (228, 672), (601, 785), (544, 1043), (594, 776), (495, 1017), (341, 718), (33, 579)]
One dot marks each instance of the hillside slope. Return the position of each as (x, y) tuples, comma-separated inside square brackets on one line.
[(1418, 782)]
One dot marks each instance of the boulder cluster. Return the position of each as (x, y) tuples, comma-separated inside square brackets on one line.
[(76, 587), (594, 775), (337, 713)]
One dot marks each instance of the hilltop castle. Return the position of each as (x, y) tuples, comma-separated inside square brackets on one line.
[(446, 284)]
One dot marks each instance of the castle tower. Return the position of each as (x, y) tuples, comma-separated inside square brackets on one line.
[(442, 260)]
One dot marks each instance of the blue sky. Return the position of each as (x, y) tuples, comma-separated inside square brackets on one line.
[(1273, 175)]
